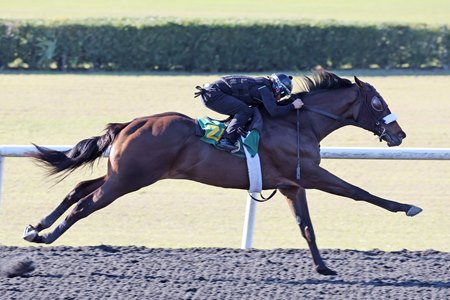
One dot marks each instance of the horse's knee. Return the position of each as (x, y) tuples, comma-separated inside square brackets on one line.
[(309, 234), (359, 194)]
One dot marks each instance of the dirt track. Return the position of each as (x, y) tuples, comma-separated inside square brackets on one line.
[(212, 273)]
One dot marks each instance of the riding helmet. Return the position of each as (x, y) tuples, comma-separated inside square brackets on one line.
[(282, 84)]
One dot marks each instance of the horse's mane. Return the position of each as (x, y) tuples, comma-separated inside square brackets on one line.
[(322, 80)]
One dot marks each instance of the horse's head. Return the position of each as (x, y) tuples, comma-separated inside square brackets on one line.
[(376, 117)]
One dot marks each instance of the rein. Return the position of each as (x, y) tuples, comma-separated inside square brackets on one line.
[(298, 146), (334, 117), (379, 131)]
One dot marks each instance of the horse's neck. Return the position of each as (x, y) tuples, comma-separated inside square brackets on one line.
[(340, 102)]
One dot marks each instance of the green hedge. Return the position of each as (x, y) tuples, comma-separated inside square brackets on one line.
[(224, 46)]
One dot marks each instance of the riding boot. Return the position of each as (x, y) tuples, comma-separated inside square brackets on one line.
[(227, 145)]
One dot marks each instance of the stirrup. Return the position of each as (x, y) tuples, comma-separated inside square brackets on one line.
[(227, 145)]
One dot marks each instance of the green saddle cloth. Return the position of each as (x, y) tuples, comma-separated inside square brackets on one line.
[(214, 129)]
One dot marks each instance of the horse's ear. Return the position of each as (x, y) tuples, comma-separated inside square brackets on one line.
[(358, 82)]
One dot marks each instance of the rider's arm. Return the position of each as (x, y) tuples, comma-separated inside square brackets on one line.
[(271, 104)]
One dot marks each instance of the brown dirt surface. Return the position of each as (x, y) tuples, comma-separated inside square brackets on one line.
[(220, 273)]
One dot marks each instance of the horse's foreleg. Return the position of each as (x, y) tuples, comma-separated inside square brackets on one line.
[(321, 179), (100, 198), (296, 198)]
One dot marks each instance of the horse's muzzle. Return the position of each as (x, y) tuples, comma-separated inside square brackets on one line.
[(394, 139)]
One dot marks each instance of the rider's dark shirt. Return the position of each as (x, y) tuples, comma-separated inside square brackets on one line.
[(253, 91)]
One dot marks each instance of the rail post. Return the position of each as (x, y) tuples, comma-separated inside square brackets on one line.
[(2, 162), (249, 222)]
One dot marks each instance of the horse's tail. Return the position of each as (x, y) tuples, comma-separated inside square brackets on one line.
[(85, 152)]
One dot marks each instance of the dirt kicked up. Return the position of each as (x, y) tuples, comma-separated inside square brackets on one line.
[(215, 273)]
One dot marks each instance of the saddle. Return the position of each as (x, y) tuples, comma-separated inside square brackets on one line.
[(211, 130)]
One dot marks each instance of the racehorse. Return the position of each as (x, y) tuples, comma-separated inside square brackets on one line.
[(165, 146)]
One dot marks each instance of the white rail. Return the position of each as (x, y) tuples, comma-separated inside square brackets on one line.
[(326, 152), (386, 153)]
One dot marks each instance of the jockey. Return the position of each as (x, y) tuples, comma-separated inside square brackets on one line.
[(238, 95)]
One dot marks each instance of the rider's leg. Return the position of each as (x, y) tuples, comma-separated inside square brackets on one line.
[(239, 120), (230, 105)]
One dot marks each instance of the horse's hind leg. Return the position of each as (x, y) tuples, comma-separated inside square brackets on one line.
[(80, 191), (101, 197), (296, 198)]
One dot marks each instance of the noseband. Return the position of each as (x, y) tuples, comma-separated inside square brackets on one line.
[(381, 130)]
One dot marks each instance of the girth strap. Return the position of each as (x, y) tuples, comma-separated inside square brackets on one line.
[(263, 199)]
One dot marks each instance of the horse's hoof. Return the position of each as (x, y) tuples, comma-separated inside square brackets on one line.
[(325, 271), (414, 210), (29, 234)]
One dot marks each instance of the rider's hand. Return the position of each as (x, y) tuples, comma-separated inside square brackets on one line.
[(298, 103)]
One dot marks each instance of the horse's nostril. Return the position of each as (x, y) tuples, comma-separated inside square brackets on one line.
[(402, 135)]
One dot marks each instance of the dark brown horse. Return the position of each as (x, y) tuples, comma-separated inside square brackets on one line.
[(162, 146)]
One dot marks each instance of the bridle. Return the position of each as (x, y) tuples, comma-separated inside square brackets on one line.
[(375, 120), (368, 118)]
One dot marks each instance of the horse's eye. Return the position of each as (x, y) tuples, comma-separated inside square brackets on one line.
[(377, 104)]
